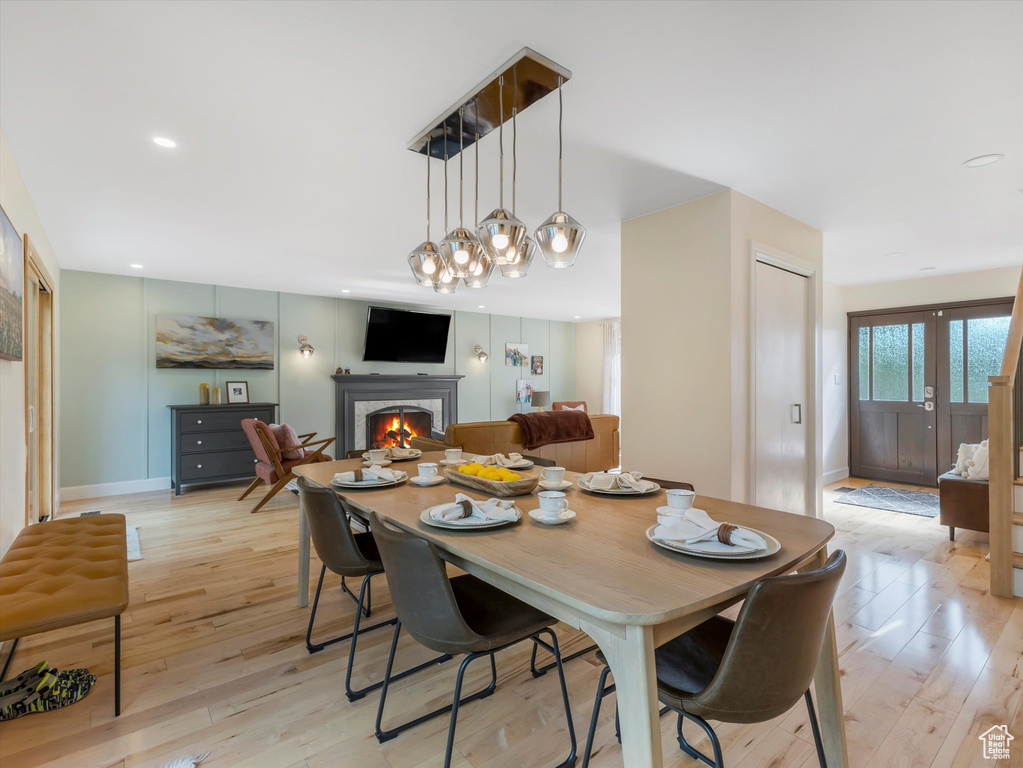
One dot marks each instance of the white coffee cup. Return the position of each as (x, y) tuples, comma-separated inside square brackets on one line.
[(680, 499), (453, 454), (377, 455), (553, 474), (428, 471), (553, 503)]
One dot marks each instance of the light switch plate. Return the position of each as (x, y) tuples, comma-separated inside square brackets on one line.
[(838, 378)]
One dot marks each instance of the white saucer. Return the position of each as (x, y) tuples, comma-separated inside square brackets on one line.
[(540, 517), (383, 463), (549, 486), (671, 511), (424, 483), (449, 463)]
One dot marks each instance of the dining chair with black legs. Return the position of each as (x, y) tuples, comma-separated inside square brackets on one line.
[(750, 670), (347, 554), (460, 615)]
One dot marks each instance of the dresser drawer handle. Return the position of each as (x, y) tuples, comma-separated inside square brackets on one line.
[(198, 466), (198, 442), (198, 421)]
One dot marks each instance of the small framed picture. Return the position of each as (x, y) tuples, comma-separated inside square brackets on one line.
[(237, 392), (536, 365)]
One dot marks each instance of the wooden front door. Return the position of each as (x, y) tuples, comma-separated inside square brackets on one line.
[(893, 414)]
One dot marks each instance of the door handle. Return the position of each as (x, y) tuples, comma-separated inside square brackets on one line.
[(928, 406), (797, 413)]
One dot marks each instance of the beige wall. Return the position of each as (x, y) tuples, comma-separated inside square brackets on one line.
[(685, 336), (839, 300), (589, 364), (17, 204)]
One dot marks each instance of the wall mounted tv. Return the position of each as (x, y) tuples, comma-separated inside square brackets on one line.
[(403, 336)]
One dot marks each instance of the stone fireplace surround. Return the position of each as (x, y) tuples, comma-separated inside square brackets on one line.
[(358, 395)]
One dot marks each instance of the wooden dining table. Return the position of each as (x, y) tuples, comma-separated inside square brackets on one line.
[(600, 574)]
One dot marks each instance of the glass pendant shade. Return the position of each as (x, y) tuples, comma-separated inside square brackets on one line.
[(460, 249), (501, 233), (518, 264), (427, 264), (559, 239), (480, 270), (446, 283)]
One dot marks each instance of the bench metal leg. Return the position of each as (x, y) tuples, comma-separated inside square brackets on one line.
[(117, 665), (951, 533), (10, 656)]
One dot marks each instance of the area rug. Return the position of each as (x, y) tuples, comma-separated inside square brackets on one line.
[(134, 546), (893, 499)]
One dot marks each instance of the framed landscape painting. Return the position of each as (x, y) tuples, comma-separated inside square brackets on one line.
[(188, 341), (12, 290)]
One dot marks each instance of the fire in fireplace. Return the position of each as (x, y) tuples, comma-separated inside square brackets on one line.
[(395, 427)]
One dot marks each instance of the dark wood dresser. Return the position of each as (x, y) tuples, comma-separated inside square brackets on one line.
[(208, 444)]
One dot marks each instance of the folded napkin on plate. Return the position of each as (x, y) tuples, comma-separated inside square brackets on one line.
[(696, 525), (468, 510), (499, 460), (375, 472), (606, 481), (401, 453)]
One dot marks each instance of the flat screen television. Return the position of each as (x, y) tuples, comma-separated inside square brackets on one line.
[(403, 336)]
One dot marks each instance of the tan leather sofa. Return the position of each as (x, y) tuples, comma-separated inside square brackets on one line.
[(486, 437)]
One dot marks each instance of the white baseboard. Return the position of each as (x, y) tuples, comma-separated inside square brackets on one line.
[(114, 489), (835, 475)]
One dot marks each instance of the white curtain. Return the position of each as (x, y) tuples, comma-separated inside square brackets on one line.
[(612, 367)]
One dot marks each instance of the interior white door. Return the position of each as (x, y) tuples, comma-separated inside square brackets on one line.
[(781, 393)]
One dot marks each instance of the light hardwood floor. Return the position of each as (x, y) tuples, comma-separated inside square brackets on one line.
[(214, 660)]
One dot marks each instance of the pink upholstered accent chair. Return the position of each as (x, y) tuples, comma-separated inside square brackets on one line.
[(271, 467)]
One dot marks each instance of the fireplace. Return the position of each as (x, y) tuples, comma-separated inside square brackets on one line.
[(394, 427)]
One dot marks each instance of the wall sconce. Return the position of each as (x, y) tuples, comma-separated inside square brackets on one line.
[(483, 356), (305, 348)]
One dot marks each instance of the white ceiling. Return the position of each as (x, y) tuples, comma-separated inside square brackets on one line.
[(291, 119)]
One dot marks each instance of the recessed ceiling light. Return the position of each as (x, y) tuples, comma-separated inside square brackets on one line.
[(482, 306), (577, 317), (927, 269), (135, 266), (345, 290), (978, 162), (896, 255), (160, 141)]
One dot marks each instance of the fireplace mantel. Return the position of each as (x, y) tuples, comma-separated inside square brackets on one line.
[(357, 388)]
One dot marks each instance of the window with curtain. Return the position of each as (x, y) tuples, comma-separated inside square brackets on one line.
[(612, 367)]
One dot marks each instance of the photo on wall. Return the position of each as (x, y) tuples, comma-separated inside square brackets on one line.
[(188, 341), (536, 365), (12, 288), (516, 354), (524, 389)]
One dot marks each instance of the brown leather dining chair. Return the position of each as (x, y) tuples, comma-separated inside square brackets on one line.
[(348, 554), (460, 615), (747, 671)]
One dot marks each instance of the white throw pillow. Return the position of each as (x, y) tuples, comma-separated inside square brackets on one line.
[(966, 451), (573, 407), (978, 465)]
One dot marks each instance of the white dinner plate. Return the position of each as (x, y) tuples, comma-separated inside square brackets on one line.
[(383, 463), (455, 463), (547, 485), (524, 464), (423, 482), (401, 477), (541, 517), (416, 454), (711, 549), (619, 491), (424, 516)]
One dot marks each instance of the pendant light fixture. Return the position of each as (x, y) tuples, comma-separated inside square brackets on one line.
[(501, 232), (560, 237), (460, 247), (446, 282), (518, 261), (426, 261), (482, 266)]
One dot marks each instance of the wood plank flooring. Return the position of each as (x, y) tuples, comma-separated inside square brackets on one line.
[(214, 660)]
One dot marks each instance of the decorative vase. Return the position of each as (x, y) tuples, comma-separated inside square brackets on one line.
[(216, 395), (204, 394)]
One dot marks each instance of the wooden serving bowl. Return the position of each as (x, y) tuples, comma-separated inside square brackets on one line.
[(493, 487)]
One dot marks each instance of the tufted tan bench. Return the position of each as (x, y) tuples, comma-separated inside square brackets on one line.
[(62, 573)]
